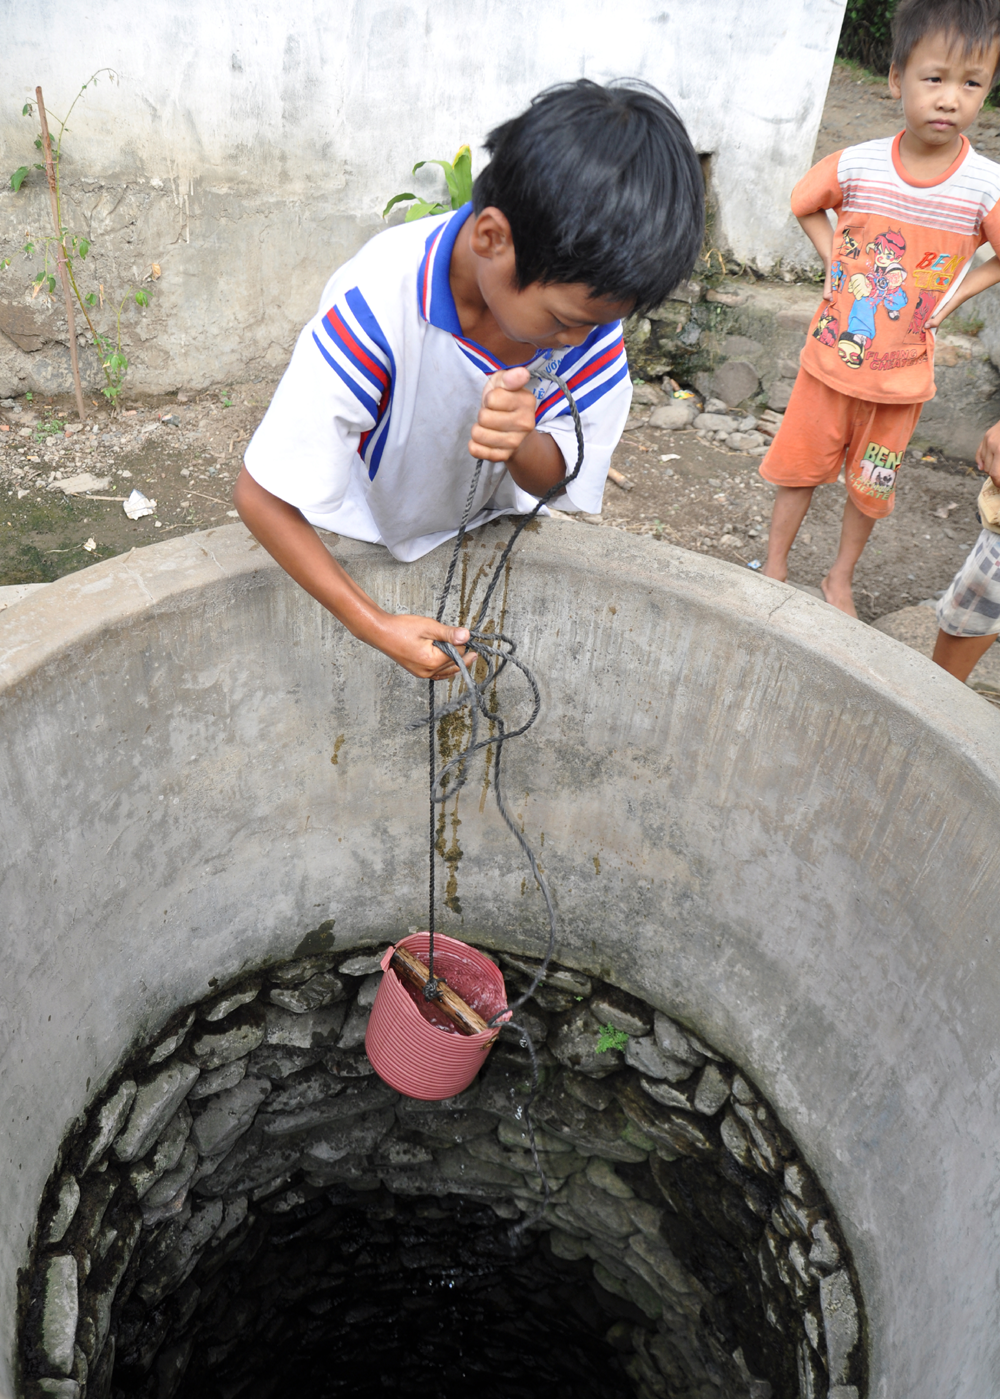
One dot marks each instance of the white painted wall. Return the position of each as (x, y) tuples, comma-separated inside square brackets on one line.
[(278, 133)]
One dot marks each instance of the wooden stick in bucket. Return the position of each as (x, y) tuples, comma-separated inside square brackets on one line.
[(410, 969)]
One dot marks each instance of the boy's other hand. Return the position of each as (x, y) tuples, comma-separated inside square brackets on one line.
[(409, 640), (506, 416), (988, 455)]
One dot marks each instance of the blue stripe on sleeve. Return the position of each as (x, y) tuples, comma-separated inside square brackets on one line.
[(367, 403), (348, 353), (585, 400), (378, 447), (366, 319)]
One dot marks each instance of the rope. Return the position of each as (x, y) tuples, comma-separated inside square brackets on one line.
[(497, 650)]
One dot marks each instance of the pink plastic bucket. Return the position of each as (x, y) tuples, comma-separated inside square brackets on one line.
[(415, 1049)]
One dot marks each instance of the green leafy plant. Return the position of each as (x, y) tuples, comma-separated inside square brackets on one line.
[(458, 174), (72, 249), (51, 426), (866, 34), (610, 1038)]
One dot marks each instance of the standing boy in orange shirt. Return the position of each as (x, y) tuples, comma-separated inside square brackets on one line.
[(910, 213)]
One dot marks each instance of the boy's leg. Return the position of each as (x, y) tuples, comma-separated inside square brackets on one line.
[(880, 433), (790, 506), (969, 613), (806, 453), (838, 584), (958, 655)]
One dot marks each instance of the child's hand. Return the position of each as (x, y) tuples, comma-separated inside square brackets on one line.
[(827, 283), (409, 640), (939, 314), (988, 455), (506, 416)]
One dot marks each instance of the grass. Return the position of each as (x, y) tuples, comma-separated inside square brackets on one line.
[(860, 74)]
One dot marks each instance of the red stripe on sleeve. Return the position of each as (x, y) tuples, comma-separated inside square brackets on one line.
[(360, 353)]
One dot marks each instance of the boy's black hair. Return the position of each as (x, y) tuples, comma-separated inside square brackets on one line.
[(601, 185), (975, 24)]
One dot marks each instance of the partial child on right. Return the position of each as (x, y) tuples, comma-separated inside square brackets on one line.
[(911, 211), (969, 613)]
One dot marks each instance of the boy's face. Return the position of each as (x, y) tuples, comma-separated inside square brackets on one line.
[(550, 315), (547, 315), (942, 88)]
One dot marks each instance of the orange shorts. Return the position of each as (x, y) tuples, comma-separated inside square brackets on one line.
[(822, 425)]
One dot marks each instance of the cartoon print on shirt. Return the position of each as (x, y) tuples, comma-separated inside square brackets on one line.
[(932, 277), (935, 270), (838, 275), (926, 301), (881, 285), (848, 247), (827, 328)]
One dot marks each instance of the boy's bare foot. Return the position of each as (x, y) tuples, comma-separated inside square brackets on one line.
[(772, 570), (838, 594)]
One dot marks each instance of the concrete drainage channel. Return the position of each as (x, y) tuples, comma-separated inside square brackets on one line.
[(250, 1211), (772, 836)]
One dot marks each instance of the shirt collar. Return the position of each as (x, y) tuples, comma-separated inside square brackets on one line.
[(908, 179), (435, 301)]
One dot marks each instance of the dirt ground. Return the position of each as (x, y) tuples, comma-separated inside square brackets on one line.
[(184, 453)]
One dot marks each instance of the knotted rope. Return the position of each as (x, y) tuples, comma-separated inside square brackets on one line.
[(497, 651)]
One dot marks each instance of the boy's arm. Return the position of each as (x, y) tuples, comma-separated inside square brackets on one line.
[(988, 455), (291, 540), (818, 191), (818, 229), (504, 431), (987, 274)]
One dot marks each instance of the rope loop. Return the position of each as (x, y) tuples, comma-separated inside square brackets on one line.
[(497, 651)]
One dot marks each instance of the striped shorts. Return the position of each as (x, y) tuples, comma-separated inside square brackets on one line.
[(971, 606)]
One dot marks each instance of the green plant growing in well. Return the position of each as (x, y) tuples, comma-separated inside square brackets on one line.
[(610, 1038), (70, 249), (458, 174)]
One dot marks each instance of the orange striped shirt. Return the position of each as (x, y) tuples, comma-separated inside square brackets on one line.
[(900, 248)]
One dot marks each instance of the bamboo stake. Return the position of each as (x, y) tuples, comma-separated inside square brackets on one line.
[(50, 171), (411, 969)]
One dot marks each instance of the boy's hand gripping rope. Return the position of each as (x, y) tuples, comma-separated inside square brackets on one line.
[(496, 650)]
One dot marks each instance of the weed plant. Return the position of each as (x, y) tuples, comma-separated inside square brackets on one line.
[(114, 361), (457, 173)]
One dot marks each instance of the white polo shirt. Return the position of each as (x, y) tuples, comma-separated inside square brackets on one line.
[(367, 433)]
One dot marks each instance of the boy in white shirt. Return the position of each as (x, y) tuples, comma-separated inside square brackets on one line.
[(591, 208)]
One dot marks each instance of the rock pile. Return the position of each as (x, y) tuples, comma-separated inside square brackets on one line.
[(248, 1189)]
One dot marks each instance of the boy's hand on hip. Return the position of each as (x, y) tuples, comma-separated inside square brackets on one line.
[(506, 416), (409, 640)]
